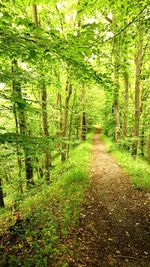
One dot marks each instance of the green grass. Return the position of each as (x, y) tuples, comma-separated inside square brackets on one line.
[(50, 214), (138, 169)]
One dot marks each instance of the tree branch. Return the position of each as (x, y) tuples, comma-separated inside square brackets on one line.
[(108, 19), (131, 22)]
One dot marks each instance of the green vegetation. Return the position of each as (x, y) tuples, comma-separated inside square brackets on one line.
[(50, 215), (138, 168), (66, 66)]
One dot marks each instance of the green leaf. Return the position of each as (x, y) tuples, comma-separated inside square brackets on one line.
[(51, 2)]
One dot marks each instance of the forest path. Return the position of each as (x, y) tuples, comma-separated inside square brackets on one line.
[(114, 222)]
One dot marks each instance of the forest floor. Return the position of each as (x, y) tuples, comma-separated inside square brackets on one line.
[(114, 221)]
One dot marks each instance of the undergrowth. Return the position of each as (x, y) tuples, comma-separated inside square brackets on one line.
[(48, 216), (138, 168)]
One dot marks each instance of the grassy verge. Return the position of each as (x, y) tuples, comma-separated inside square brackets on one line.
[(49, 216), (138, 169)]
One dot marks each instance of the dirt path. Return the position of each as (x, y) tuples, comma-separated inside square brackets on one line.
[(114, 228)]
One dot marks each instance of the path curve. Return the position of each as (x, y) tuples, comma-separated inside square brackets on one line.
[(114, 223)]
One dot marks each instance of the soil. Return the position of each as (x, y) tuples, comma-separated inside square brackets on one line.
[(114, 222)]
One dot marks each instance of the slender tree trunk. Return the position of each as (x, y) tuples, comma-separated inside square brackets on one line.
[(83, 126), (29, 170), (77, 121), (1, 195), (60, 125), (126, 97), (116, 97), (65, 130), (39, 169), (46, 133), (138, 63), (116, 55), (35, 15), (148, 149), (22, 124), (71, 121), (83, 116), (126, 87), (144, 96), (142, 141), (44, 111), (20, 188)]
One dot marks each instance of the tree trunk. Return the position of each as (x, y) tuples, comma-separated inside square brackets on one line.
[(20, 188), (35, 15), (83, 116), (83, 126), (144, 119), (39, 169), (65, 130), (126, 97), (71, 121), (60, 125), (22, 123), (116, 55), (116, 96), (138, 63), (29, 170), (1, 195), (142, 141), (44, 111), (148, 149), (46, 133)]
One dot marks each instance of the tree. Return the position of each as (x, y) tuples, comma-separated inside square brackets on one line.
[(21, 105), (1, 195), (44, 110), (65, 128), (83, 115), (138, 63)]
